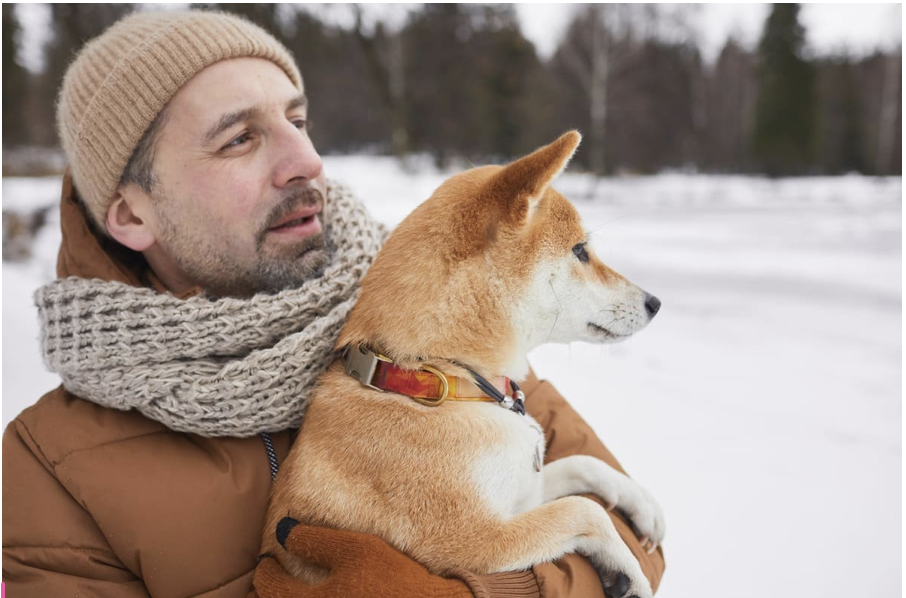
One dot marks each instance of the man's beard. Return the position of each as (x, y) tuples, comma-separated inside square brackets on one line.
[(212, 261)]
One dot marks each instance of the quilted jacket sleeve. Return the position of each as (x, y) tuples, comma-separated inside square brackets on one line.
[(566, 433), (51, 545)]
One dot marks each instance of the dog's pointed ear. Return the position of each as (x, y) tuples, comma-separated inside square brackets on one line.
[(520, 185)]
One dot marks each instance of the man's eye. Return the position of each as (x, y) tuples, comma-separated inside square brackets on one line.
[(238, 141), (302, 124), (579, 251)]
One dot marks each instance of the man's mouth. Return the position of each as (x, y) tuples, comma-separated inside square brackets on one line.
[(300, 223)]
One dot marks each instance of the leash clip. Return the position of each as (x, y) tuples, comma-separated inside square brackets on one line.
[(518, 402)]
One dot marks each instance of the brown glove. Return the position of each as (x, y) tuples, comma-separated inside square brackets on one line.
[(364, 565)]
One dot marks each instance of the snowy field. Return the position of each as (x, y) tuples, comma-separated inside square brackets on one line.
[(762, 406)]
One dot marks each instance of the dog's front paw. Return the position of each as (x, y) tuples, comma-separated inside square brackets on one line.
[(623, 579), (619, 585), (642, 512)]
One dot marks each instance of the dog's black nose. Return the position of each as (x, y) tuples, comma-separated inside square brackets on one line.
[(652, 305)]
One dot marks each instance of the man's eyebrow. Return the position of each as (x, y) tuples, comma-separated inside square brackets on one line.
[(228, 120), (231, 118), (297, 102)]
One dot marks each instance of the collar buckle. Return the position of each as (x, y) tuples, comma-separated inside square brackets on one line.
[(360, 363)]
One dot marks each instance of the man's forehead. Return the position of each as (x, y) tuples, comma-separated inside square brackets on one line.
[(230, 86)]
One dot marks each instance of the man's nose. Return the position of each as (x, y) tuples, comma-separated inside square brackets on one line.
[(297, 157)]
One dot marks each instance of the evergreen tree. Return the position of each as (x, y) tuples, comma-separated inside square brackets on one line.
[(730, 107), (15, 79), (344, 103), (386, 60), (507, 68), (784, 134), (72, 25), (439, 94), (840, 136), (852, 158), (262, 14)]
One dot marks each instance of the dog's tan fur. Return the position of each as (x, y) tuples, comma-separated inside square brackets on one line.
[(442, 293)]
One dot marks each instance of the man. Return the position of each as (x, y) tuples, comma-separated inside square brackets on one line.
[(205, 271)]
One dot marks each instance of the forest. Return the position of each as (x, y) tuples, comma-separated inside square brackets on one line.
[(461, 82)]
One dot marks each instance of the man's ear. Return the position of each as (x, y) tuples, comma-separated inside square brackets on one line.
[(128, 220)]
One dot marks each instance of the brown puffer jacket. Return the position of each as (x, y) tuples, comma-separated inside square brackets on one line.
[(106, 503)]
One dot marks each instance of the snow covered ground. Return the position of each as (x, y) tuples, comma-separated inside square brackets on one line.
[(762, 406)]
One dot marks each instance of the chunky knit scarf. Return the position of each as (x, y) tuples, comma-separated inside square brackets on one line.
[(209, 366)]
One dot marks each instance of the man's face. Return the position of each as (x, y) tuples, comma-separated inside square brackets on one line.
[(240, 188)]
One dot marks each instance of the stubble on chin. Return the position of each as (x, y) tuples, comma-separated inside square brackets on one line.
[(216, 264), (292, 266)]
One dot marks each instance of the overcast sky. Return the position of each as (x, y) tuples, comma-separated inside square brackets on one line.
[(857, 28)]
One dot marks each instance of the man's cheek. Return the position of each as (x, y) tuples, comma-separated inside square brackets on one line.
[(232, 198)]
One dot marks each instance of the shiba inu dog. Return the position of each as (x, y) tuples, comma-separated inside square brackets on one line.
[(419, 436)]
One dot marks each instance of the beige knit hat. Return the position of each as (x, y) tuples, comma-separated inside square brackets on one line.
[(122, 79)]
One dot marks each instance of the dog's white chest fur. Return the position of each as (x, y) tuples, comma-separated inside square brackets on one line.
[(507, 475)]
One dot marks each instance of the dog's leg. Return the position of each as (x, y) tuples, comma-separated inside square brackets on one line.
[(547, 532), (579, 474)]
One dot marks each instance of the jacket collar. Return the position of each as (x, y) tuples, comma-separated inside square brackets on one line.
[(87, 253)]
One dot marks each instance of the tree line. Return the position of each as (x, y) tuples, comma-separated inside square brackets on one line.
[(462, 81)]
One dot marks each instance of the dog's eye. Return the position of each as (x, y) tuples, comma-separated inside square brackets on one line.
[(580, 252)]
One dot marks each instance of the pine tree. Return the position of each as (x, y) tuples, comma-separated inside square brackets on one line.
[(71, 27), (15, 79), (851, 157), (784, 133), (469, 71), (730, 106), (265, 15)]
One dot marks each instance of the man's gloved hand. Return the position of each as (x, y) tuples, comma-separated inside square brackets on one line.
[(359, 564)]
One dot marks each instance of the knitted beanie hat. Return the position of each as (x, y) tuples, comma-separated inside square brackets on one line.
[(122, 79)]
